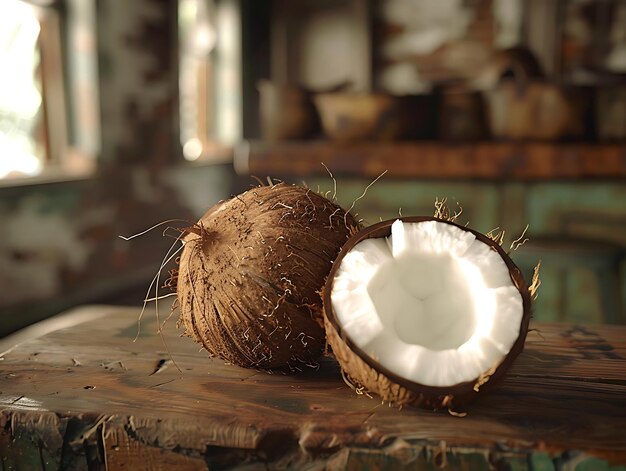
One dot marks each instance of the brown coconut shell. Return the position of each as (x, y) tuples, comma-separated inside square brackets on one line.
[(370, 376), (251, 271)]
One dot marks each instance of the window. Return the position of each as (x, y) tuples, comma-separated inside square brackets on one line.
[(42, 126), (210, 77), (23, 136)]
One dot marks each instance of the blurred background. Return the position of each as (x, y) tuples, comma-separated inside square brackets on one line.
[(117, 115)]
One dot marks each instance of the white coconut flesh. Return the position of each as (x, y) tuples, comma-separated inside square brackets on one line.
[(431, 303)]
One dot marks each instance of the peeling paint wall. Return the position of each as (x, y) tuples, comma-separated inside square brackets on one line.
[(425, 42), (60, 243), (43, 245), (138, 65)]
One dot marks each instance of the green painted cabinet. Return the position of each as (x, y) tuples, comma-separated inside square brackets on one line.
[(566, 212)]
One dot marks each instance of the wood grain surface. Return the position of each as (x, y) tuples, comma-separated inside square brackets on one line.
[(434, 160), (79, 390)]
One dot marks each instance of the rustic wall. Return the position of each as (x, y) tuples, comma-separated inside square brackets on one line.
[(60, 242)]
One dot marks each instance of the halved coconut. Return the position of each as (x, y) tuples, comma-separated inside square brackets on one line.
[(423, 311)]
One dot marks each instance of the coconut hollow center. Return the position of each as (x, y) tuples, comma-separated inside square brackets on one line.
[(426, 299)]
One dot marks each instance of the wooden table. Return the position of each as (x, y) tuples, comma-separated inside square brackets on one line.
[(77, 393)]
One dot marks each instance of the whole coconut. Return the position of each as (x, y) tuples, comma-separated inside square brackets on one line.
[(251, 271)]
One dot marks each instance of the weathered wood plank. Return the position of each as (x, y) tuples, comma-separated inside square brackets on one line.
[(425, 159), (567, 392)]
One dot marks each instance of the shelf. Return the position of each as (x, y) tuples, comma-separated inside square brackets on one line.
[(434, 160)]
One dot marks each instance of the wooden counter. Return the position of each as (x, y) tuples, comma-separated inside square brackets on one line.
[(77, 393), (489, 160)]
